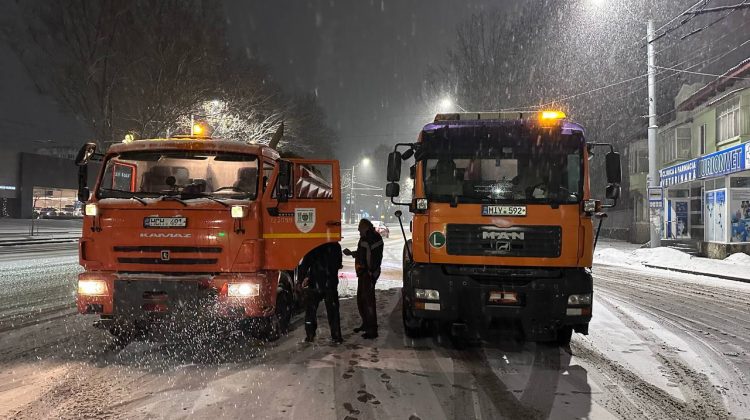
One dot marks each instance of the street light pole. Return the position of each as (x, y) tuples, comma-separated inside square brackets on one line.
[(653, 175), (351, 195)]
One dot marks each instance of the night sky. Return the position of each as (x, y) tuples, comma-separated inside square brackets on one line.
[(366, 60)]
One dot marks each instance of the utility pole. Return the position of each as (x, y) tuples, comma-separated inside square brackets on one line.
[(653, 174)]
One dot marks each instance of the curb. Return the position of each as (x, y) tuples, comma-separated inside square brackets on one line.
[(679, 270), (39, 241)]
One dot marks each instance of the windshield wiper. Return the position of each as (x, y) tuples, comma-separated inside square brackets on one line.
[(173, 198), (204, 195), (130, 194)]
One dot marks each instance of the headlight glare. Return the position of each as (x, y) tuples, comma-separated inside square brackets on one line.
[(243, 290), (92, 287)]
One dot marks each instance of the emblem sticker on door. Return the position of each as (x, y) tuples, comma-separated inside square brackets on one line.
[(437, 239), (304, 219)]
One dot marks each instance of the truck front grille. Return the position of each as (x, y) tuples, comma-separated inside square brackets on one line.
[(185, 261), (167, 254), (170, 248), (517, 241)]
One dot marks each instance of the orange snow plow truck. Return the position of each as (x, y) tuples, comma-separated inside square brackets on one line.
[(502, 229), (194, 225)]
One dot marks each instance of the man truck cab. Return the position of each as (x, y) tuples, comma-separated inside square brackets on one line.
[(502, 232)]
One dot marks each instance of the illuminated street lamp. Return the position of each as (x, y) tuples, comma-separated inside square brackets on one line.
[(364, 162), (447, 105)]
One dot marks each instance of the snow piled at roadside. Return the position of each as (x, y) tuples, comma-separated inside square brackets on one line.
[(736, 265)]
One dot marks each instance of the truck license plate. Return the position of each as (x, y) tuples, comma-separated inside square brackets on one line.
[(488, 210), (165, 222)]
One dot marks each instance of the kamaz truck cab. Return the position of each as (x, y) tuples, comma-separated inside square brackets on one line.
[(197, 226), (502, 232)]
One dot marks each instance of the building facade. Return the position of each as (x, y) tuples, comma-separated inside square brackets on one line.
[(704, 162)]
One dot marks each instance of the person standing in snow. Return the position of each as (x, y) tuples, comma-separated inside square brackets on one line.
[(320, 273), (367, 259)]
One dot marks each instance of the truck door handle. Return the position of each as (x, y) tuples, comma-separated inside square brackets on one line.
[(333, 223)]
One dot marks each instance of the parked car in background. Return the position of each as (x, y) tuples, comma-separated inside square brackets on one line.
[(47, 213), (382, 229)]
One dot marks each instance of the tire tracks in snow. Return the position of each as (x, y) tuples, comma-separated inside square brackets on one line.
[(650, 401)]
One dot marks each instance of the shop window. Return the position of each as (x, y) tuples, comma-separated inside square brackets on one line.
[(739, 182), (728, 120)]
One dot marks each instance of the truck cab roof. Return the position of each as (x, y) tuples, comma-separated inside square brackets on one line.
[(500, 118), (195, 143)]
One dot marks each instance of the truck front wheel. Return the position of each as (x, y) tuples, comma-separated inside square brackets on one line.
[(125, 332), (564, 335), (413, 327), (277, 324)]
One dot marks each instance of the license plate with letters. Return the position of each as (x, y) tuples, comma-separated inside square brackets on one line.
[(165, 222), (489, 210)]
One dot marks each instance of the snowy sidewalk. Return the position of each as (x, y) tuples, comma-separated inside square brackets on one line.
[(735, 267), (18, 231)]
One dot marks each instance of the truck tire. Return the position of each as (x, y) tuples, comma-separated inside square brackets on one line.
[(125, 332), (564, 335), (413, 327), (277, 325)]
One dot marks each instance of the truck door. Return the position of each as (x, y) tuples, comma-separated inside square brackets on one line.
[(310, 217)]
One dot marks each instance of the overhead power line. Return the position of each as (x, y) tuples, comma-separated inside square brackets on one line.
[(700, 73), (743, 5)]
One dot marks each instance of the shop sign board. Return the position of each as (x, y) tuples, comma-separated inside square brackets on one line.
[(723, 162)]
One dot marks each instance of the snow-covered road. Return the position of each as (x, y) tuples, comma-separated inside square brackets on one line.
[(662, 345)]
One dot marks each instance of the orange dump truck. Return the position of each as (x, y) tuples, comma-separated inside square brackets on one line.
[(502, 230), (200, 226)]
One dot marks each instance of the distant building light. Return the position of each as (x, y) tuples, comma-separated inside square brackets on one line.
[(7, 187)]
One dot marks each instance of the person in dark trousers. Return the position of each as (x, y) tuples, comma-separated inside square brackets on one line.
[(367, 259), (319, 271)]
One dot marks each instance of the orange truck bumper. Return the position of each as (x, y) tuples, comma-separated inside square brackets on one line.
[(230, 295)]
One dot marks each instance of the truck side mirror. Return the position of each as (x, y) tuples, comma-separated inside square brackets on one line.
[(392, 189), (612, 192), (614, 174), (394, 167), (85, 153), (284, 181)]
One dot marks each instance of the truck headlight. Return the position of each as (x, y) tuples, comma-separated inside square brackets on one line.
[(427, 294), (421, 204), (92, 287), (238, 212), (243, 290), (91, 209), (582, 299)]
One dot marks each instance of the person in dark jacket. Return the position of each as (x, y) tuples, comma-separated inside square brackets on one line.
[(367, 259), (320, 273)]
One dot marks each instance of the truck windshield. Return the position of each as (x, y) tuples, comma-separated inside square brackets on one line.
[(184, 174), (509, 164)]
